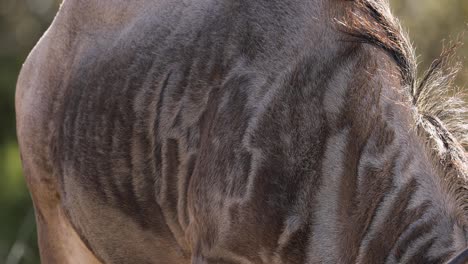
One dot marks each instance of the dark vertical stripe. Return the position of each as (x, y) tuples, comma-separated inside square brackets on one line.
[(159, 106), (397, 221), (140, 65), (358, 207), (417, 232), (422, 255), (170, 174), (144, 172), (363, 207), (157, 158), (184, 184)]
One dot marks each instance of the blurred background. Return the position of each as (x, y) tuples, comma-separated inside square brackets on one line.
[(22, 22)]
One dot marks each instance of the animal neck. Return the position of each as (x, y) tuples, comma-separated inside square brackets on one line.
[(393, 202)]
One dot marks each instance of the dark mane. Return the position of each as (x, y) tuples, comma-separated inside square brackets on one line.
[(440, 113)]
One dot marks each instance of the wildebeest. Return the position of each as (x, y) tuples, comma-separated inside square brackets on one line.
[(240, 131)]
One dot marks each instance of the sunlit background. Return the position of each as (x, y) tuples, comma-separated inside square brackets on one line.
[(22, 22)]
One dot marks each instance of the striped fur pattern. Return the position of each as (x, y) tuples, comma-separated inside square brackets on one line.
[(440, 112), (265, 131)]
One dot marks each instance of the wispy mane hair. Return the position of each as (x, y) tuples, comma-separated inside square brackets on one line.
[(440, 114)]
